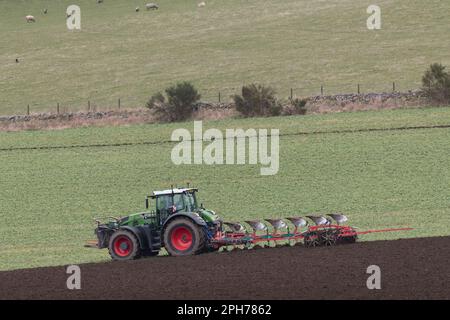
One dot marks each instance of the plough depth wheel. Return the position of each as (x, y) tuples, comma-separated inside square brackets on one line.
[(311, 240), (329, 237)]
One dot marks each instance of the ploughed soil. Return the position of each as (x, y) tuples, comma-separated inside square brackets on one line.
[(410, 269)]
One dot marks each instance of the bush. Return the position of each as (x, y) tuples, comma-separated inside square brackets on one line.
[(257, 100), (179, 104), (295, 106), (436, 83)]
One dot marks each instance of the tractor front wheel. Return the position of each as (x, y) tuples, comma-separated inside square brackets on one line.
[(183, 237), (123, 245)]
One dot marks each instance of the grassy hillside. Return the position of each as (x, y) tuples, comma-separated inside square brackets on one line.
[(379, 178), (291, 43)]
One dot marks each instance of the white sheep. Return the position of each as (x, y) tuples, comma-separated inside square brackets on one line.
[(152, 6), (201, 4), (30, 18), (137, 9)]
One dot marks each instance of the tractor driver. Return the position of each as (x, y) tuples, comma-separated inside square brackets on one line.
[(177, 204)]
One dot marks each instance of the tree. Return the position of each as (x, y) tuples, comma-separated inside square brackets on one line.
[(257, 100), (179, 104), (436, 83)]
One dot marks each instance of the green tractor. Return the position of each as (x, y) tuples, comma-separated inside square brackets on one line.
[(176, 223)]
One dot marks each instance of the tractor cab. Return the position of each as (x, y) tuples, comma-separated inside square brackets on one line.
[(178, 201), (173, 201)]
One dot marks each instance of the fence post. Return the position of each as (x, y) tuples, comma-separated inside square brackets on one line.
[(393, 86), (57, 108), (89, 105), (118, 103), (219, 97), (321, 90), (359, 89), (28, 110), (292, 93)]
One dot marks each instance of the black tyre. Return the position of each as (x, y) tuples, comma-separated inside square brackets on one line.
[(311, 240), (328, 237), (348, 239), (123, 245), (183, 237)]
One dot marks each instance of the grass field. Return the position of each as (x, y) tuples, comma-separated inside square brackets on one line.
[(297, 44), (49, 196)]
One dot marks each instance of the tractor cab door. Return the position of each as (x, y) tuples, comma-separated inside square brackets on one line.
[(167, 205)]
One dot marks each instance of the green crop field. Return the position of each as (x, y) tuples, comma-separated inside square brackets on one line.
[(53, 183), (300, 44)]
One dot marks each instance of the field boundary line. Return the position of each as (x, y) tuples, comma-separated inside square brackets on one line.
[(127, 144)]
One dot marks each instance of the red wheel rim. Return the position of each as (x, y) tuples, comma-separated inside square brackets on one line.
[(123, 246), (181, 238)]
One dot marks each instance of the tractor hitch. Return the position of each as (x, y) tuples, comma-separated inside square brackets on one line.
[(103, 233)]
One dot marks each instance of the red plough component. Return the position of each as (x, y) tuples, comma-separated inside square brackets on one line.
[(324, 232)]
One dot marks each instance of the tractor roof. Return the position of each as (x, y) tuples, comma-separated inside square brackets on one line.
[(174, 191)]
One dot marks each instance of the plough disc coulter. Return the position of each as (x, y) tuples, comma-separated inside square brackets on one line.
[(182, 227)]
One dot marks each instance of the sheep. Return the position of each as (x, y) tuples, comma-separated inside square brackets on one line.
[(45, 11), (137, 9), (99, 1), (30, 18), (17, 60), (152, 6), (201, 4)]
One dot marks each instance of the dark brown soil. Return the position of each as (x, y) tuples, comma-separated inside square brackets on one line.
[(410, 269)]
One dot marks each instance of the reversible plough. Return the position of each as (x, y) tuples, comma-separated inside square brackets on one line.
[(183, 228)]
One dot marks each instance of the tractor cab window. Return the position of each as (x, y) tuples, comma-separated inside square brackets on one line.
[(191, 202), (165, 203), (178, 202)]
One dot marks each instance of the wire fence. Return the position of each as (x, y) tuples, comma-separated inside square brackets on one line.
[(225, 94), (212, 95)]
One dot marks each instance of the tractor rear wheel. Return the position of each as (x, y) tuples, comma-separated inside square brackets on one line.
[(183, 237), (123, 245)]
